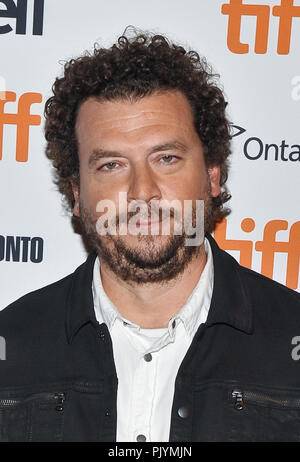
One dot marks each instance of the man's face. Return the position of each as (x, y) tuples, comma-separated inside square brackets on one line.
[(150, 150)]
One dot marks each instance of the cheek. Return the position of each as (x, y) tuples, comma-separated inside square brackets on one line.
[(92, 195), (90, 189), (192, 185), (195, 178)]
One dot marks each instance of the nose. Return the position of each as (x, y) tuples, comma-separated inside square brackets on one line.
[(143, 185)]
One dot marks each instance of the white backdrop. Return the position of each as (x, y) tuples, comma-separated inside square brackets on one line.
[(263, 90)]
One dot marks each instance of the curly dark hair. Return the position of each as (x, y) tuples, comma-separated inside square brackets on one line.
[(134, 67)]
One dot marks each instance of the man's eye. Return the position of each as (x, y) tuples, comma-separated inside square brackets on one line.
[(168, 159), (108, 166)]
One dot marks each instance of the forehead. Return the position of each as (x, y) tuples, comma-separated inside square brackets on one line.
[(165, 111)]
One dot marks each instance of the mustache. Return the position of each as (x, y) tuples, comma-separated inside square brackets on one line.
[(151, 213), (156, 211)]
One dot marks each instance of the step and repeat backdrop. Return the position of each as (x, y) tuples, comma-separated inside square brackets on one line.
[(253, 45)]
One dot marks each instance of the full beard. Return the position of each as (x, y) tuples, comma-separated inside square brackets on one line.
[(151, 258)]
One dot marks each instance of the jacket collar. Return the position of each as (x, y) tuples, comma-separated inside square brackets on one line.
[(80, 304), (230, 302)]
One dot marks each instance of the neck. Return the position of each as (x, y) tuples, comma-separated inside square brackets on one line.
[(152, 305)]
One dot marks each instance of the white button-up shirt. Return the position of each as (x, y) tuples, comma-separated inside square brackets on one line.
[(147, 360)]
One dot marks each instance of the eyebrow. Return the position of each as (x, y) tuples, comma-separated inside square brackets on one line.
[(103, 153)]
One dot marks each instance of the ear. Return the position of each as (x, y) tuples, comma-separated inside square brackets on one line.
[(75, 189), (214, 174)]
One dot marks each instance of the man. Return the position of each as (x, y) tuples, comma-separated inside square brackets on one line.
[(151, 339)]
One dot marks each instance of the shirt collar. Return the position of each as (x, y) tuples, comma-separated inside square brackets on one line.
[(230, 302), (197, 305), (105, 310)]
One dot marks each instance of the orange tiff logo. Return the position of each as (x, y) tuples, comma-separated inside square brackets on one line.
[(22, 119), (268, 247), (235, 9)]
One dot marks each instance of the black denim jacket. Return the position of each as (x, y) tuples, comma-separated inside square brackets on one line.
[(239, 380)]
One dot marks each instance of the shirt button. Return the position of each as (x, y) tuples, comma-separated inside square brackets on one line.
[(174, 324), (148, 357), (183, 412), (141, 438)]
